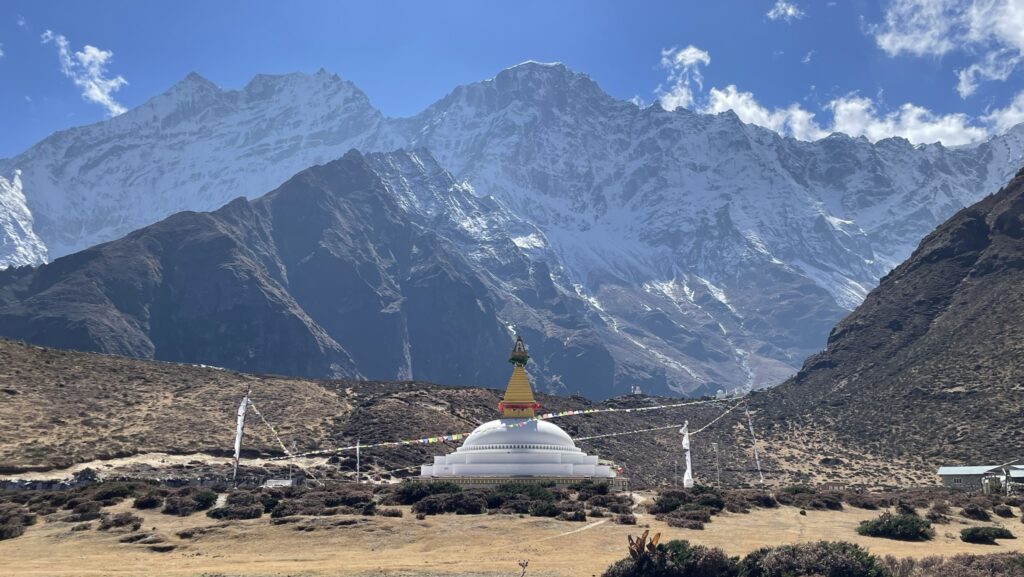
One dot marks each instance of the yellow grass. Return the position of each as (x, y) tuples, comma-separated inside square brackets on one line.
[(445, 545)]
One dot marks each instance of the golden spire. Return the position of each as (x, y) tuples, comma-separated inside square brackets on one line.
[(518, 402)]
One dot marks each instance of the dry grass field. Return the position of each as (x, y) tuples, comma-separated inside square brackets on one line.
[(441, 545)]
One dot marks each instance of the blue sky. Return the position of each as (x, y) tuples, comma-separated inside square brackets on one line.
[(928, 70)]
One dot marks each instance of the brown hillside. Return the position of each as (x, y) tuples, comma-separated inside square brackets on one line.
[(932, 363)]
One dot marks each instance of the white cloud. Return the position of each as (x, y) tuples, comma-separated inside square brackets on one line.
[(792, 121), (1, 49), (88, 70), (1006, 118), (22, 23), (807, 57), (683, 67), (852, 114), (786, 11), (996, 65), (993, 29), (857, 116)]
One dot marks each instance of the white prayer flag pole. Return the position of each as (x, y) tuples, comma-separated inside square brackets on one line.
[(238, 432), (688, 475)]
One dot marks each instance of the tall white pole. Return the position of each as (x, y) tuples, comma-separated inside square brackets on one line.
[(757, 458), (239, 427), (357, 461), (688, 475)]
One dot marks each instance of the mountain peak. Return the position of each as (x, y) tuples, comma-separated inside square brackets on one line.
[(194, 81)]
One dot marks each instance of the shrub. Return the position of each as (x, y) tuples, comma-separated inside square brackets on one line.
[(458, 503), (984, 535), (626, 519), (862, 501), (150, 500), (132, 522), (389, 512), (763, 500), (112, 492), (178, 505), (577, 515), (991, 565), (677, 559), (84, 511), (1003, 511), (204, 499), (976, 512), (901, 527), (700, 495), (87, 507), (237, 511), (269, 500), (685, 523), (827, 559), (904, 508), (11, 531), (585, 490), (544, 509), (412, 492), (702, 515)]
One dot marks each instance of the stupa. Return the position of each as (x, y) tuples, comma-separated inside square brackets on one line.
[(518, 447)]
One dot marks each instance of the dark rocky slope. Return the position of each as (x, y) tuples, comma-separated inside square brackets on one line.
[(326, 276), (932, 363)]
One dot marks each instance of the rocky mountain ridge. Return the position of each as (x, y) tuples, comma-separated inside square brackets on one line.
[(698, 252)]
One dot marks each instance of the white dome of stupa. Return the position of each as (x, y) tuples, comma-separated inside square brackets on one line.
[(517, 445), (518, 434)]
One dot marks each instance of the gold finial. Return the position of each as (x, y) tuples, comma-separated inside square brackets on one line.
[(518, 402), (519, 356)]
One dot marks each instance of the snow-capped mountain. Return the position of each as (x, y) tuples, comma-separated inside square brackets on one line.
[(19, 244), (699, 252)]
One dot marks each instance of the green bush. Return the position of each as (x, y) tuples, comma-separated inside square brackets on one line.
[(544, 509), (112, 492), (587, 489), (677, 559), (11, 531), (1003, 511), (625, 519), (237, 511), (132, 522), (976, 512), (985, 535), (182, 506), (412, 492), (991, 565), (904, 508), (13, 520), (577, 515), (204, 499), (824, 558), (458, 503), (902, 527), (150, 500)]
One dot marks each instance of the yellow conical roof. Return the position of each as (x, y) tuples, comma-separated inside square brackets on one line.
[(518, 402)]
